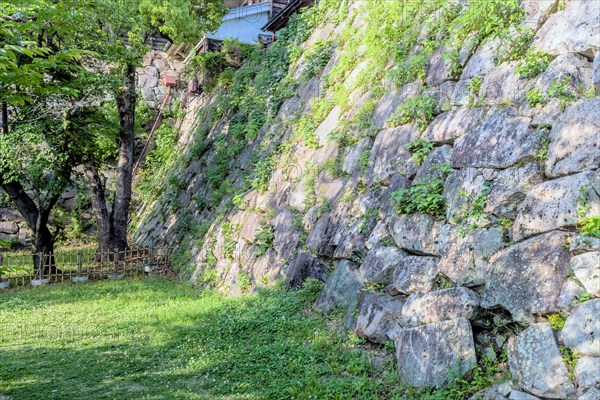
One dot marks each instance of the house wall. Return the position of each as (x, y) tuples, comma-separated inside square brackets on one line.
[(243, 23)]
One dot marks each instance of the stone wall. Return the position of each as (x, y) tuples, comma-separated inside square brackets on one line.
[(443, 289)]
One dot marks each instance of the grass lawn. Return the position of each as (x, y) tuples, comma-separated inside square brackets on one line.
[(156, 339)]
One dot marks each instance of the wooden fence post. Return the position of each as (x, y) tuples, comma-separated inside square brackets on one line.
[(79, 262), (116, 261)]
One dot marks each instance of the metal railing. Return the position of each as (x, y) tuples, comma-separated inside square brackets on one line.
[(20, 269)]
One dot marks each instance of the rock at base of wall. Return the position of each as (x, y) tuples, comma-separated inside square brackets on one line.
[(341, 290), (536, 363), (434, 354), (377, 316)]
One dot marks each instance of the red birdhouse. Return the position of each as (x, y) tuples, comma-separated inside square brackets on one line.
[(170, 80)]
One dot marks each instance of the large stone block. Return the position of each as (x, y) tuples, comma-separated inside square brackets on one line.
[(389, 151), (380, 263), (526, 278), (536, 363), (575, 139), (432, 355), (510, 187), (557, 35), (451, 125), (415, 274), (465, 256), (377, 316), (438, 306), (581, 332), (586, 268), (554, 205), (500, 141), (305, 266), (341, 290), (415, 233)]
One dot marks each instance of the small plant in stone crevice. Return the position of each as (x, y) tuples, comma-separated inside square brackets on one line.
[(470, 213), (264, 239), (590, 226), (423, 197), (419, 110), (559, 89), (419, 150), (541, 156), (535, 97), (557, 321), (514, 44), (474, 87), (583, 297), (244, 281), (229, 242), (570, 360), (316, 58), (535, 63)]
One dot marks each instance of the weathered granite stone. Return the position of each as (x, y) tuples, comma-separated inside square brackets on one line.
[(537, 12), (503, 84), (500, 141), (318, 239), (341, 290), (451, 125), (439, 68), (415, 233), (397, 182), (434, 354), (415, 274), (581, 332), (554, 205), (305, 266), (391, 101), (596, 72), (557, 37), (582, 244), (328, 125), (461, 186), (574, 70), (285, 236), (527, 278), (377, 315), (510, 187), (430, 168), (388, 151), (483, 60), (438, 306), (586, 268), (536, 363), (569, 293), (379, 265), (575, 139), (297, 197), (591, 394), (352, 160), (378, 235), (351, 243), (587, 372), (465, 256), (517, 395)]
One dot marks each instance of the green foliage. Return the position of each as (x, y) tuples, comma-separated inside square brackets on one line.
[(419, 110), (535, 97), (264, 239), (316, 58), (570, 360), (535, 63), (419, 149), (590, 226), (515, 44), (471, 212), (474, 87), (560, 90), (583, 297), (422, 198), (244, 281), (557, 321), (543, 153)]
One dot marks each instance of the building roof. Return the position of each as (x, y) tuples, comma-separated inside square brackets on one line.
[(280, 20)]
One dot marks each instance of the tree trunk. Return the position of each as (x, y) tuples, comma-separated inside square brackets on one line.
[(37, 220), (103, 219), (4, 118), (126, 103)]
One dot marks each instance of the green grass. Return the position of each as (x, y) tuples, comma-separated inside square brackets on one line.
[(155, 339)]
